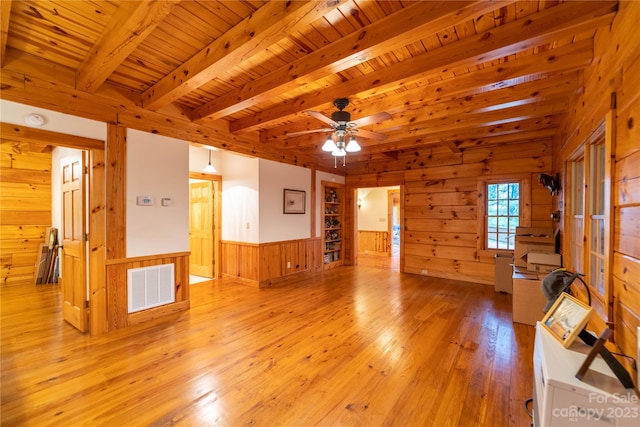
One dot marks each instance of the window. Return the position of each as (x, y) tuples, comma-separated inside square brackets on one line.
[(589, 216), (504, 204), (576, 214), (503, 215), (596, 216)]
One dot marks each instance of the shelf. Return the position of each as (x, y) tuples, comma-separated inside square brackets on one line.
[(333, 215)]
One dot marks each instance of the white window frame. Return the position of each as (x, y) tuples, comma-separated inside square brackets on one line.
[(594, 255), (524, 181)]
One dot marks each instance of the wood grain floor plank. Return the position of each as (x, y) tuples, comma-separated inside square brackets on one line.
[(352, 346)]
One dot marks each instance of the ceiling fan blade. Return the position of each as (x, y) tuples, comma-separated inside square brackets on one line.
[(305, 132), (320, 117), (371, 135), (374, 118)]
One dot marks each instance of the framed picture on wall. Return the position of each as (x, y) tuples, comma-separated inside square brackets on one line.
[(294, 201), (566, 318)]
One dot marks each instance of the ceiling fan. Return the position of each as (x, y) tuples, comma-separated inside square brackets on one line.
[(341, 126)]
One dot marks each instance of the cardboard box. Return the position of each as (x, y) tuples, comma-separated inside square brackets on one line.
[(541, 262), (541, 268), (522, 249), (528, 299), (532, 239), (503, 273), (545, 258)]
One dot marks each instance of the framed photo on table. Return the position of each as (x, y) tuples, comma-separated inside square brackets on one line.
[(566, 318), (294, 201)]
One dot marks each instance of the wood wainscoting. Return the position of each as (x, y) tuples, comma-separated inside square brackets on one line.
[(374, 242), (118, 314), (266, 264)]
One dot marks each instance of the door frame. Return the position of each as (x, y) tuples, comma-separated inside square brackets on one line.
[(390, 197), (352, 209), (216, 181), (96, 205)]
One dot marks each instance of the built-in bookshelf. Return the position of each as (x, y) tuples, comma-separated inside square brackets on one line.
[(332, 220)]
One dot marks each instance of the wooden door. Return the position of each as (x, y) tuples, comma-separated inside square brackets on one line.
[(74, 288), (201, 228)]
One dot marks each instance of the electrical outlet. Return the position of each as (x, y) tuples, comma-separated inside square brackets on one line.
[(288, 264), (424, 272)]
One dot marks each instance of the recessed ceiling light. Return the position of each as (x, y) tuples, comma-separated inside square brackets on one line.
[(35, 120)]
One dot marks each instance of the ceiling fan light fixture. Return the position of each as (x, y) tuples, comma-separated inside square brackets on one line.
[(329, 145), (339, 152), (353, 145)]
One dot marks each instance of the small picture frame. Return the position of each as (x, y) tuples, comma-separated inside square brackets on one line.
[(566, 318), (294, 201)]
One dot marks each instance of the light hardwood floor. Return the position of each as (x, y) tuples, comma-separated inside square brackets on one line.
[(348, 347)]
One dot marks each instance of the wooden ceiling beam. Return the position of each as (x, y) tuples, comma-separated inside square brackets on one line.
[(413, 22), (269, 24), (526, 93), (33, 135), (558, 22), (129, 26), (486, 118), (516, 131), (537, 67), (5, 13)]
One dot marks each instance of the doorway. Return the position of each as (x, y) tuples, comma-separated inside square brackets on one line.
[(377, 227), (204, 227), (394, 223), (44, 174)]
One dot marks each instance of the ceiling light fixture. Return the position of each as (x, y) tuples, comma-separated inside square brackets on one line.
[(338, 148), (209, 168)]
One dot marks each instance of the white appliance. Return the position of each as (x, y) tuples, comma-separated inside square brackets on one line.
[(561, 400)]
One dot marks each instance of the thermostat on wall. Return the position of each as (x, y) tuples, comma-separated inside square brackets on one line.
[(144, 201)]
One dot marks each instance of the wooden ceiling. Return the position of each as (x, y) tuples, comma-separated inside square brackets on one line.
[(241, 75)]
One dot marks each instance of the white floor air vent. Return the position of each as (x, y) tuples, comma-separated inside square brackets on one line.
[(150, 287)]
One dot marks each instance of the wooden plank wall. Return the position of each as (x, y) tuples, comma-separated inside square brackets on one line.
[(25, 207), (374, 242), (616, 72), (440, 197), (267, 264)]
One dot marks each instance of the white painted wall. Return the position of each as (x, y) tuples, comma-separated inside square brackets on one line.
[(13, 112), (373, 213), (157, 167), (276, 226), (240, 199)]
